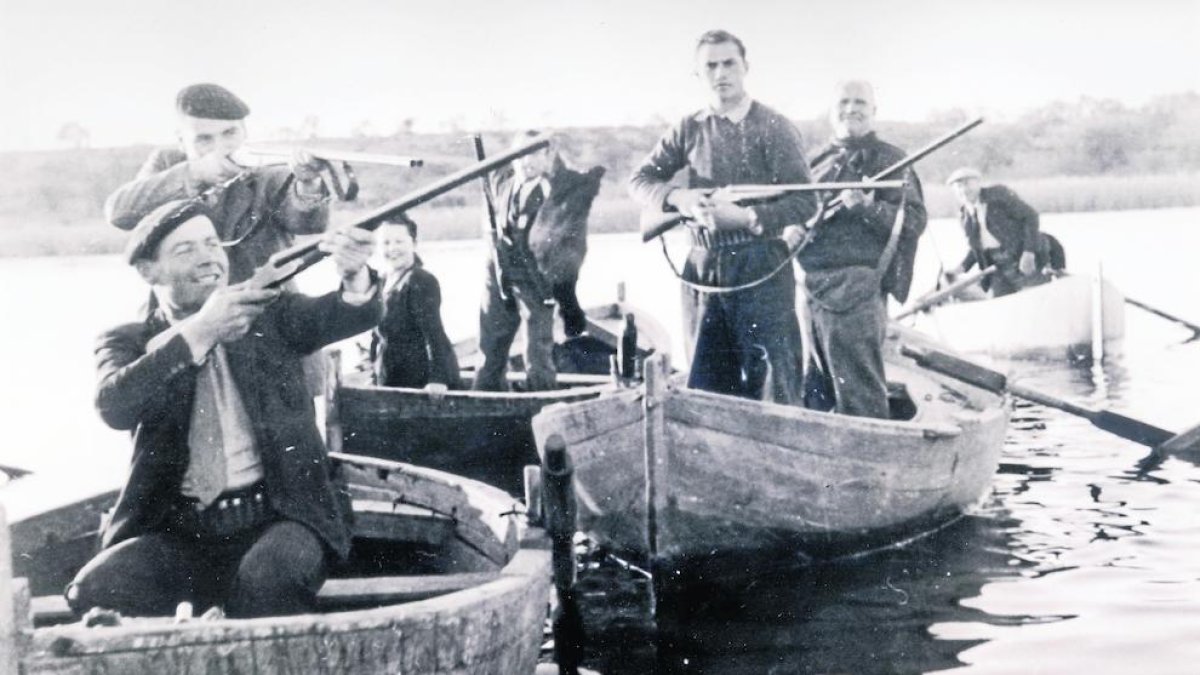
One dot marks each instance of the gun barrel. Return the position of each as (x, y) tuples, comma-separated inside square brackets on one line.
[(309, 254), (655, 226), (338, 156)]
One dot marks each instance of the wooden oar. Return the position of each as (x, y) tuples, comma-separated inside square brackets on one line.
[(1169, 317), (1126, 427), (937, 297)]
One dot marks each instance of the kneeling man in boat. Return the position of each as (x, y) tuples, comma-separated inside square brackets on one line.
[(1002, 230), (229, 500)]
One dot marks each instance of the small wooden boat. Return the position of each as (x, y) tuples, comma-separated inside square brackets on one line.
[(683, 476), (442, 579), (480, 435), (1062, 317)]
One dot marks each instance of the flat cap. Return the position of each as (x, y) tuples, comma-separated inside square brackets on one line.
[(155, 226), (963, 173), (211, 102)]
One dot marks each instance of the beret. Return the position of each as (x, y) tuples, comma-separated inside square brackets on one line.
[(211, 102), (963, 174), (155, 226)]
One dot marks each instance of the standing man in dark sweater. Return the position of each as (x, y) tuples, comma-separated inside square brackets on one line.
[(1001, 230), (740, 337), (845, 276)]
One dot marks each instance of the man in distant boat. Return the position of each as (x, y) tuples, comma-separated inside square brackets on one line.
[(257, 211), (229, 501), (861, 252), (746, 341), (542, 208), (1002, 230)]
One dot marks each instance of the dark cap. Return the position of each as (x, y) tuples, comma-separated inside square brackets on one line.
[(210, 102), (155, 226)]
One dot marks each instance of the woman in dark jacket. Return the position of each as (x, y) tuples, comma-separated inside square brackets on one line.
[(409, 348)]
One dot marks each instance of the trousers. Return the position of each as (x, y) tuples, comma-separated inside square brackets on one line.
[(746, 343), (499, 321), (270, 570), (849, 320)]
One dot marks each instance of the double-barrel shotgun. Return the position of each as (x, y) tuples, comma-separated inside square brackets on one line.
[(291, 261)]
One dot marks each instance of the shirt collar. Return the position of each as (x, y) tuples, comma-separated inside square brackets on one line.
[(736, 115)]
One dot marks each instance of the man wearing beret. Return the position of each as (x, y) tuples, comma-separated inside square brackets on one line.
[(229, 500), (1001, 230), (257, 214)]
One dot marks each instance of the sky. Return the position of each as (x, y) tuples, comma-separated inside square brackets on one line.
[(114, 66)]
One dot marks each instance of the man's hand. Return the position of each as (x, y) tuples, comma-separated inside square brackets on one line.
[(226, 316), (725, 215), (792, 235), (1028, 263), (436, 390), (853, 198), (213, 169), (307, 170), (951, 275), (350, 248), (690, 203)]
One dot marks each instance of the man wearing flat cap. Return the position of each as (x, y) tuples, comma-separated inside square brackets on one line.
[(229, 500), (1001, 230), (256, 212)]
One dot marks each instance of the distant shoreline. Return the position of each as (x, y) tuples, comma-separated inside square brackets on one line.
[(43, 235)]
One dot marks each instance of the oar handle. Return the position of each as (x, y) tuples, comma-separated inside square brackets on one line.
[(937, 297)]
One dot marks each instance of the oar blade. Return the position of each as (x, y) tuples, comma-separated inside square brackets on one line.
[(1183, 443), (1131, 429)]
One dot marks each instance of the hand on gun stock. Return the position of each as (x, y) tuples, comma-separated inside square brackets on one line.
[(227, 314), (213, 169)]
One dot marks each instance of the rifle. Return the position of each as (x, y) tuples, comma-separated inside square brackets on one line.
[(345, 185), (835, 205), (493, 228), (331, 155), (291, 261), (746, 194)]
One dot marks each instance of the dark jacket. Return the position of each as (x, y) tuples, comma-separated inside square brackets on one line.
[(555, 243), (263, 207), (857, 237), (1011, 221), (409, 348), (151, 394)]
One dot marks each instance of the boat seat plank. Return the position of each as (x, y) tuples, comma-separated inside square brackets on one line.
[(335, 594)]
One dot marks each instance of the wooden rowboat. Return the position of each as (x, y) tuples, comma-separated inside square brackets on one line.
[(442, 579), (683, 476), (1062, 317), (481, 435)]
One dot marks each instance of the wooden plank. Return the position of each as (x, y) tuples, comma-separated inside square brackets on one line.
[(657, 452), (9, 631), (391, 590)]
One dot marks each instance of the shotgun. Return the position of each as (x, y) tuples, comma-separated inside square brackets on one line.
[(746, 194), (493, 227), (835, 205), (295, 259), (331, 155)]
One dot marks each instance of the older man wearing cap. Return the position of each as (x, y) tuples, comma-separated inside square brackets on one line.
[(228, 500), (255, 215), (1001, 230)]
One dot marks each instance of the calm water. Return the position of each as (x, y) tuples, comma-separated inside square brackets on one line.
[(1071, 564)]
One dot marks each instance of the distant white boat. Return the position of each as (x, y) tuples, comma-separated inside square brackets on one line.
[(1064, 316)]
